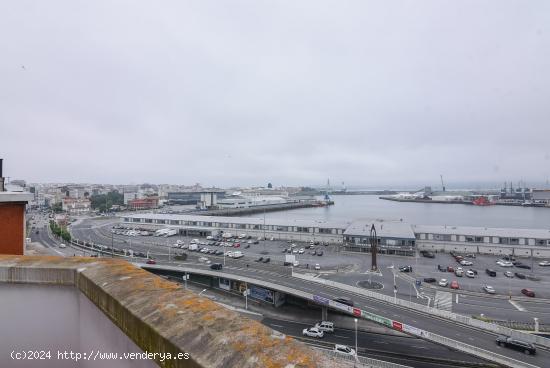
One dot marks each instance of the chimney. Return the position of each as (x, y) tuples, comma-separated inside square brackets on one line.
[(1, 176)]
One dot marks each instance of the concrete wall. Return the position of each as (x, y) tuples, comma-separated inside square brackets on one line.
[(12, 228), (159, 316)]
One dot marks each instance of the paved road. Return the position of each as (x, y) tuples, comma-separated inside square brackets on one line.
[(404, 350)]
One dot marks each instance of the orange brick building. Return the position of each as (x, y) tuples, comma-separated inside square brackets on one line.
[(12, 222)]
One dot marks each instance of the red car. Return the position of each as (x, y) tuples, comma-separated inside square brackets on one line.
[(151, 261), (454, 285), (450, 269), (528, 292), (236, 245)]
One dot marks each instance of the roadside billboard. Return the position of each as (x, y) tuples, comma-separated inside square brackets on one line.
[(262, 294)]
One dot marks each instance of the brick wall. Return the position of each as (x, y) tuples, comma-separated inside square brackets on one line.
[(12, 225)]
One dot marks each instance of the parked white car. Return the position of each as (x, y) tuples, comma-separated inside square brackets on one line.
[(504, 263), (489, 289), (471, 274), (343, 349), (317, 267), (465, 262), (544, 263), (301, 251), (443, 282), (313, 332)]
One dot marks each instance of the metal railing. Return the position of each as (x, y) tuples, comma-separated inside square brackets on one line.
[(469, 321), (363, 361)]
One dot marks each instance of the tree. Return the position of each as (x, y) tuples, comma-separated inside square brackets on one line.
[(103, 202), (269, 185), (57, 207)]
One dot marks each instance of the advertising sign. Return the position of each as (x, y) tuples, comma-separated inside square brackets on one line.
[(412, 330), (357, 312), (224, 284), (397, 326), (377, 318), (259, 293), (320, 300)]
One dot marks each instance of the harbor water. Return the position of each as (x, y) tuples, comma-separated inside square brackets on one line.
[(350, 207)]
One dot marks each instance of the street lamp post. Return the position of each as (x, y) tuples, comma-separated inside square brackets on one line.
[(355, 320)]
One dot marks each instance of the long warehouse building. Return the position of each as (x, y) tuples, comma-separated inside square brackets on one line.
[(394, 237)]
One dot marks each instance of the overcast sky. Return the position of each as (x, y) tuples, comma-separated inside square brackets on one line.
[(290, 92)]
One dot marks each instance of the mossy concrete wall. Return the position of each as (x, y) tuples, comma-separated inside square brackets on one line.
[(159, 316)]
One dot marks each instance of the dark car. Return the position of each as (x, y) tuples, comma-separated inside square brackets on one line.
[(284, 250), (491, 273), (260, 259), (37, 232), (524, 266), (319, 252), (430, 280), (405, 269), (519, 275), (442, 268), (528, 292), (287, 264), (255, 242), (516, 344), (266, 260), (219, 253), (345, 301), (427, 254), (216, 266), (509, 258)]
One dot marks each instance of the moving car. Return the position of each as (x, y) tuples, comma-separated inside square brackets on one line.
[(405, 269), (301, 251), (151, 261), (516, 344), (528, 292), (442, 268), (313, 332), (343, 349), (260, 259), (344, 300), (62, 245), (325, 326), (470, 274), (216, 266), (317, 267), (491, 272), (524, 266), (319, 253), (296, 263), (443, 282), (430, 280), (459, 272), (266, 260), (544, 263), (466, 263), (519, 275), (454, 285), (489, 289), (509, 274)]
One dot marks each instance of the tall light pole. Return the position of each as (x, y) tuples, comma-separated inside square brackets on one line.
[(355, 320)]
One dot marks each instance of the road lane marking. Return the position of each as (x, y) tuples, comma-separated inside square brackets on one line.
[(342, 337), (517, 305), (274, 325)]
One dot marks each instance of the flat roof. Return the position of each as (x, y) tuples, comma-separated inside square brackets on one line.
[(483, 231), (244, 220), (385, 229), (15, 197)]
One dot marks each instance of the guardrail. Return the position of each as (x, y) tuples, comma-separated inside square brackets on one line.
[(363, 361), (399, 326), (472, 322)]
